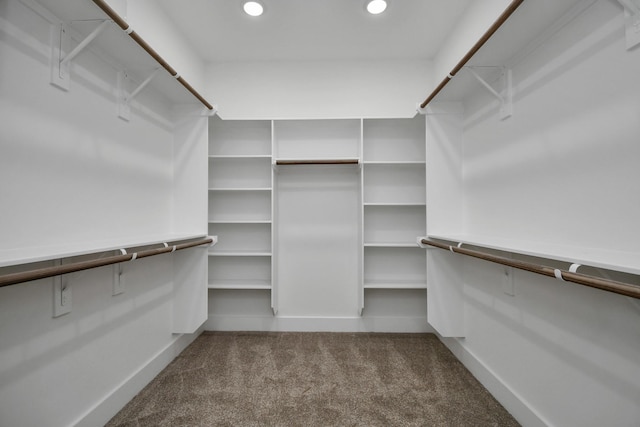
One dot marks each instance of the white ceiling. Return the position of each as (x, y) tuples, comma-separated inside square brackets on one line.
[(315, 29)]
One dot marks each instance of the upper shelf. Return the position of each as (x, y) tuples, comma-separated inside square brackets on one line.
[(528, 27), (627, 262), (45, 253), (118, 48)]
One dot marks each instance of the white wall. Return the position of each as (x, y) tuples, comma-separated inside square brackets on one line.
[(478, 17), (561, 171), (149, 20), (338, 89), (72, 171)]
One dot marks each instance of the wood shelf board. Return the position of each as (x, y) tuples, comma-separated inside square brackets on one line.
[(623, 261), (20, 256)]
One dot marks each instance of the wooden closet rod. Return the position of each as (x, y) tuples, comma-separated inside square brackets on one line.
[(581, 279), (102, 4), (486, 36), (27, 276), (318, 162)]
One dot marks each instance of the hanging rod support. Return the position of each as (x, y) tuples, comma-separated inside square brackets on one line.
[(506, 99), (627, 289), (84, 43), (141, 86), (124, 99)]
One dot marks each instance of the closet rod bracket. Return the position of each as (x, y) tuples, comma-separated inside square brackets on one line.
[(631, 22), (60, 61), (124, 99), (505, 96)]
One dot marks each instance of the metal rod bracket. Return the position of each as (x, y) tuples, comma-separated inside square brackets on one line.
[(505, 96), (60, 60), (59, 45), (124, 98)]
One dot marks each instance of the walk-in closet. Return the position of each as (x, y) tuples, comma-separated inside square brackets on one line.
[(282, 212)]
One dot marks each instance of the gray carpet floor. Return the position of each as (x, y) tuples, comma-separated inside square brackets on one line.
[(314, 379)]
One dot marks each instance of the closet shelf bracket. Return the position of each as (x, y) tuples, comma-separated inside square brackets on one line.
[(124, 100), (506, 97), (631, 22), (59, 45)]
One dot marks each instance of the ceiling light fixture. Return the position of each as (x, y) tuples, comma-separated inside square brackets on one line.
[(253, 8), (376, 7)]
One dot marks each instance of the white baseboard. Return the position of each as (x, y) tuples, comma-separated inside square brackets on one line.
[(417, 324), (510, 399), (104, 410)]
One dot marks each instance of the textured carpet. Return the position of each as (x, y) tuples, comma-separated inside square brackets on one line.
[(314, 379)]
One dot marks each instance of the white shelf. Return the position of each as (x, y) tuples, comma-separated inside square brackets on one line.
[(240, 272), (395, 204), (240, 284), (398, 162), (240, 205), (45, 253), (532, 24), (384, 183), (394, 141), (395, 285), (116, 47), (240, 222), (627, 262), (240, 253), (391, 245), (240, 156), (241, 189), (317, 139), (239, 138)]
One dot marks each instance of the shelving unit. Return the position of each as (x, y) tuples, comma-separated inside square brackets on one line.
[(393, 203), (240, 205), (317, 217)]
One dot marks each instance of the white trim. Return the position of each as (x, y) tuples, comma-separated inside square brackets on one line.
[(409, 324), (513, 402), (109, 406)]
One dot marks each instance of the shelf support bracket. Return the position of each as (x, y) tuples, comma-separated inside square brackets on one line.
[(631, 22), (59, 61), (124, 103), (506, 99), (84, 43)]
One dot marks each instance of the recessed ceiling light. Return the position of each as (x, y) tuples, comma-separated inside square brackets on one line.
[(375, 7), (253, 8)]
